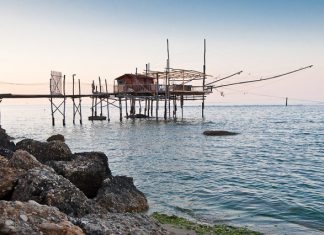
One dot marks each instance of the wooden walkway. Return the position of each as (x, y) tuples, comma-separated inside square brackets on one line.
[(39, 96)]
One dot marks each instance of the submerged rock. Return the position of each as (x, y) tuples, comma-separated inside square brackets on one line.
[(219, 133), (86, 170), (119, 194), (33, 218), (57, 137), (46, 187), (117, 223), (138, 116), (5, 140), (46, 151)]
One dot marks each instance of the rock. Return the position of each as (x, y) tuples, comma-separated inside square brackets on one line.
[(117, 223), (219, 133), (5, 140), (23, 160), (33, 218), (87, 171), (6, 152), (48, 188), (119, 194), (8, 178), (46, 151), (57, 137), (138, 116)]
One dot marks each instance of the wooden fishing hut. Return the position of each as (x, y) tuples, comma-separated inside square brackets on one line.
[(159, 89), (134, 84)]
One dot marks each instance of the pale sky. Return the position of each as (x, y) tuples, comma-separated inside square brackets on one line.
[(110, 38)]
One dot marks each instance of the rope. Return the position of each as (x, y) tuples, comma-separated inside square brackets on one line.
[(40, 83), (272, 96), (264, 79), (22, 84)]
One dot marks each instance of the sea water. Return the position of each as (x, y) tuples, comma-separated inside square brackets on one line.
[(269, 177)]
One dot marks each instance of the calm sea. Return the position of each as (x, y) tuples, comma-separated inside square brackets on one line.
[(270, 177)]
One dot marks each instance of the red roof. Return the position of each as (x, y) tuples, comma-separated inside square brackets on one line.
[(134, 76)]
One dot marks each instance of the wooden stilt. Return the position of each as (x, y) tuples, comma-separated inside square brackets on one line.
[(181, 105), (175, 107), (92, 100), (51, 99), (204, 80), (100, 97), (157, 98), (108, 117), (168, 78), (126, 108), (165, 96), (80, 111), (96, 102), (64, 100), (152, 107), (73, 98), (120, 110)]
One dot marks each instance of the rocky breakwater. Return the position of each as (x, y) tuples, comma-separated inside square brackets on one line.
[(46, 189)]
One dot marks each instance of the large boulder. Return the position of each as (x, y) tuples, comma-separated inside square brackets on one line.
[(11, 170), (119, 224), (23, 160), (33, 218), (46, 151), (5, 140), (57, 137), (86, 170), (8, 178), (119, 194), (46, 187)]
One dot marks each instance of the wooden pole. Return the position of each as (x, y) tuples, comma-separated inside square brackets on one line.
[(181, 105), (168, 78), (204, 81), (92, 99), (133, 106), (107, 101), (157, 98), (140, 106), (80, 111), (263, 79), (165, 97), (175, 107), (51, 99), (96, 99), (126, 108), (64, 100), (152, 107), (286, 101), (120, 110), (100, 97), (73, 98)]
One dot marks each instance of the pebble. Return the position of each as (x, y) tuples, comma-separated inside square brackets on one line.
[(9, 222), (23, 217)]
